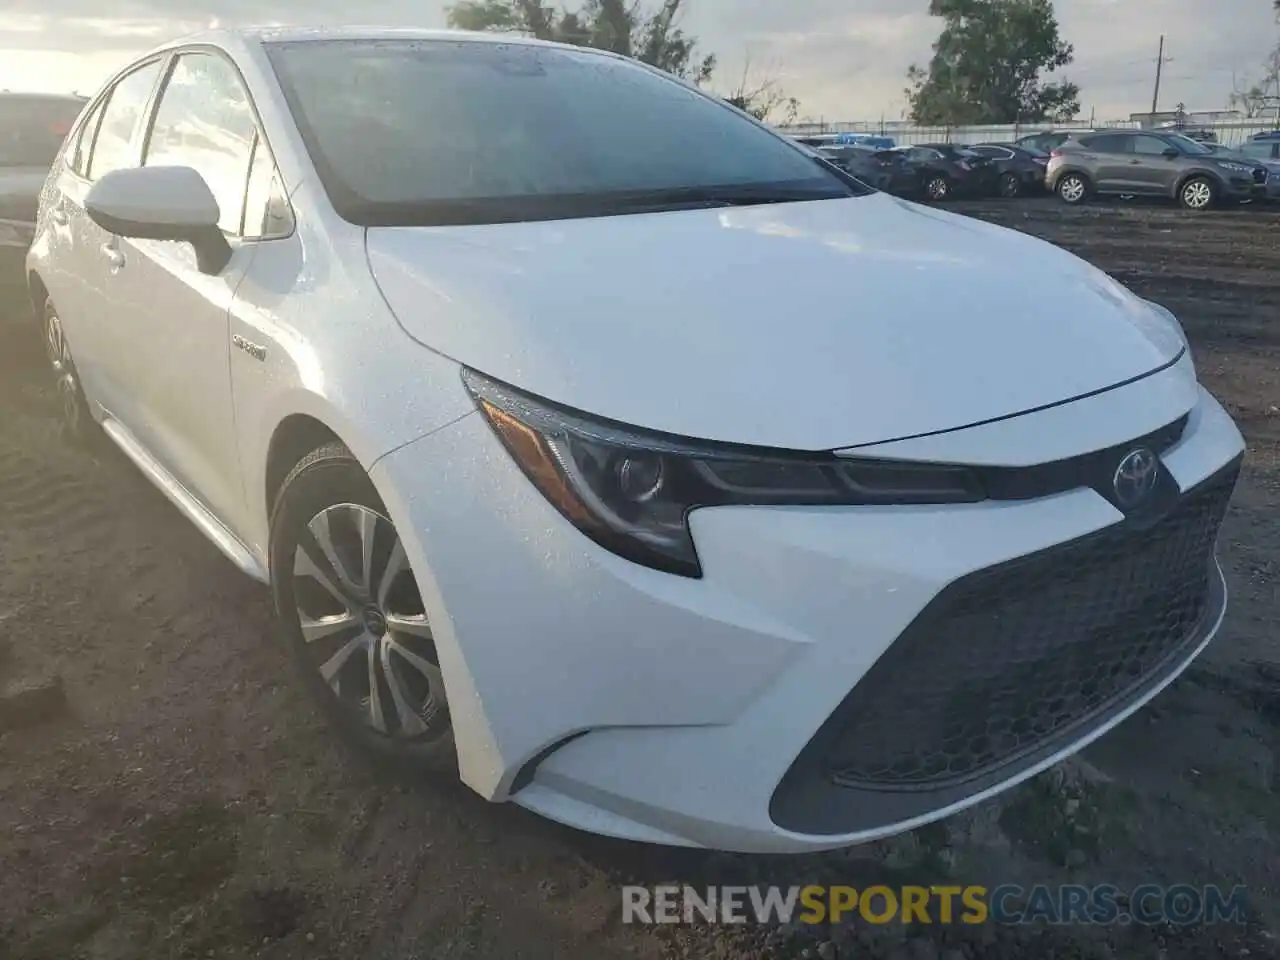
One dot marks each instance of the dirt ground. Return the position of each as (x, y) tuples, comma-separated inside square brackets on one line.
[(187, 802)]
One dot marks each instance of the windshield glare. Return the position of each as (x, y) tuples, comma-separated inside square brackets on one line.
[(443, 131)]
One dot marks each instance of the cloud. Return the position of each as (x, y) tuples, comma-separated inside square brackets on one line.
[(843, 60)]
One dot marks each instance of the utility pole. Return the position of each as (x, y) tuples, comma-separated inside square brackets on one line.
[(1155, 96)]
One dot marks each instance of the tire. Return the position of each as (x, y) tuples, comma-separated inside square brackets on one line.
[(1009, 186), (1198, 193), (75, 421), (1072, 188), (344, 628), (937, 187)]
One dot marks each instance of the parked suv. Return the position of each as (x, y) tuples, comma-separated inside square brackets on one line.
[(1146, 163), (1264, 148), (32, 128)]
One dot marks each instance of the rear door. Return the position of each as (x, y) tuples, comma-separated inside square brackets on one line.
[(1108, 159), (83, 285)]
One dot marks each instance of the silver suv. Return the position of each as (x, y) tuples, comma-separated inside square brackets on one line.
[(1145, 163)]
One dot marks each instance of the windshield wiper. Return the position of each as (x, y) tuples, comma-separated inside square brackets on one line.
[(751, 194)]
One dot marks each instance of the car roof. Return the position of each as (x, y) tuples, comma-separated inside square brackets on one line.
[(256, 35)]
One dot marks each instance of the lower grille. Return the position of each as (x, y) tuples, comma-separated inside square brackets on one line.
[(1009, 657)]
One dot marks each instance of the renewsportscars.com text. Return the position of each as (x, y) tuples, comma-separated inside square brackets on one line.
[(1148, 904)]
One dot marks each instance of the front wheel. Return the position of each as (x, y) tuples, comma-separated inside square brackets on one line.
[(1009, 187), (350, 611), (937, 187), (1073, 189), (1198, 193)]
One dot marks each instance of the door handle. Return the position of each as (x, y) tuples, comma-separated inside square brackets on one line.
[(1134, 163), (113, 255)]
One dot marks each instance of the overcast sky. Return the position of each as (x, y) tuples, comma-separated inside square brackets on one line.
[(844, 59)]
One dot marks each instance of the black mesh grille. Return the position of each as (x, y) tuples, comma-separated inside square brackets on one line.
[(1011, 656)]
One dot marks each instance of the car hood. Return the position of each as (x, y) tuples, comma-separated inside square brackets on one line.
[(803, 325)]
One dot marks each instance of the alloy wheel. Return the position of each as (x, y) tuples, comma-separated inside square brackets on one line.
[(1072, 189), (364, 625), (1197, 194), (937, 188), (65, 381), (1009, 186)]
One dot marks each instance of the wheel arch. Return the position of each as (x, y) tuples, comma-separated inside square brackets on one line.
[(293, 438), (1081, 172)]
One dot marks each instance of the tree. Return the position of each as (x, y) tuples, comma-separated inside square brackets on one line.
[(987, 63), (616, 25), (1255, 99), (763, 99)]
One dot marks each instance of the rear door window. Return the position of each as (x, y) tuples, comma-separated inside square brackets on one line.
[(1108, 142), (79, 158)]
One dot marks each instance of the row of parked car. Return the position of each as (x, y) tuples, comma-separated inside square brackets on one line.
[(1074, 165), (937, 171)]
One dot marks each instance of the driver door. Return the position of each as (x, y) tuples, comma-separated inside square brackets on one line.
[(1153, 173), (177, 327)]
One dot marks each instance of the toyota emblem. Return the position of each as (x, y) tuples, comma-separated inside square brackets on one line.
[(1135, 477)]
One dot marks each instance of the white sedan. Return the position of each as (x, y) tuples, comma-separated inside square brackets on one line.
[(513, 369)]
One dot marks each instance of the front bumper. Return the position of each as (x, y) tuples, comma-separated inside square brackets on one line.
[(629, 702), (1245, 188)]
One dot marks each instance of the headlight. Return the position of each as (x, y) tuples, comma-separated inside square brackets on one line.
[(1235, 167), (631, 490)]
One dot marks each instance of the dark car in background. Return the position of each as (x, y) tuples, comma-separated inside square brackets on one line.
[(885, 170), (1147, 163), (32, 128), (945, 170), (1264, 148), (1020, 170)]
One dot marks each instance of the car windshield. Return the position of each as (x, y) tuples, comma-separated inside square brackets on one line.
[(433, 132), (1187, 145)]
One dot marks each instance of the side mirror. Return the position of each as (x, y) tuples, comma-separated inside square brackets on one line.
[(1172, 152), (161, 203)]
